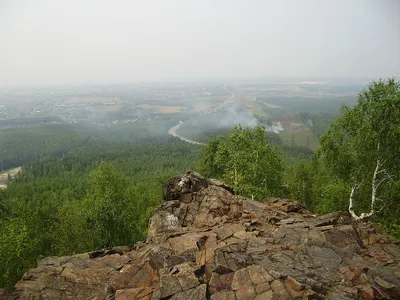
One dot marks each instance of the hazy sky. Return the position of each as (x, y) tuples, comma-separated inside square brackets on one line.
[(69, 41)]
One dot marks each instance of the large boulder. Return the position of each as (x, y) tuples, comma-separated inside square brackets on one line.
[(205, 242)]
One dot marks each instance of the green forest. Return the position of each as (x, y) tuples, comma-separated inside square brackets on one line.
[(86, 188)]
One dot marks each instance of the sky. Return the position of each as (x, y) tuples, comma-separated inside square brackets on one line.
[(102, 41)]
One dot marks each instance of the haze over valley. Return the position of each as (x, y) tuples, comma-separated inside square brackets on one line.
[(195, 111), (173, 149)]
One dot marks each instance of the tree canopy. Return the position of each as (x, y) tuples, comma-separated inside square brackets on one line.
[(363, 144), (245, 160), (97, 195)]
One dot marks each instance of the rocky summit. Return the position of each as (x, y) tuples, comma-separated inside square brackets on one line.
[(205, 242)]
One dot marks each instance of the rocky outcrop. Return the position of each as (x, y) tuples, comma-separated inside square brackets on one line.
[(204, 242)]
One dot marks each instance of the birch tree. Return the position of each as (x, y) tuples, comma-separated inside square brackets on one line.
[(245, 160), (362, 146)]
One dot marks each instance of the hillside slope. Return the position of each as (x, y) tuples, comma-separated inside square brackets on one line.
[(204, 242)]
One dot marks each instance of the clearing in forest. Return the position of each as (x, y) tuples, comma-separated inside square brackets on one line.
[(4, 175)]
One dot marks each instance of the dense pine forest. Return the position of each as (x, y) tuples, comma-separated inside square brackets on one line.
[(84, 188)]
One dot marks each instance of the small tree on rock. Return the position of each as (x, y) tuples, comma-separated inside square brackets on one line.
[(245, 160)]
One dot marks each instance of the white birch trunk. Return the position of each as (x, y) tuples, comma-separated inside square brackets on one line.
[(375, 185)]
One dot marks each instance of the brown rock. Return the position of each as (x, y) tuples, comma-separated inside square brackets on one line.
[(350, 273), (180, 278), (135, 277), (203, 256), (316, 237), (262, 287), (219, 264), (123, 249), (220, 282), (245, 292), (210, 241), (278, 288), (163, 222), (275, 274), (367, 292), (115, 261), (383, 283), (315, 285), (197, 293), (309, 294), (185, 243), (259, 274), (269, 295), (324, 228), (168, 286), (351, 290), (325, 256), (162, 257), (294, 284), (186, 276), (134, 294), (228, 230), (57, 261), (86, 276), (348, 229), (364, 279), (376, 254), (27, 285), (242, 285), (223, 295), (240, 278)]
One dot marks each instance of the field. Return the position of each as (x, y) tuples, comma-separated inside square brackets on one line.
[(204, 106), (259, 108), (304, 138), (162, 109), (111, 108), (296, 133), (91, 100)]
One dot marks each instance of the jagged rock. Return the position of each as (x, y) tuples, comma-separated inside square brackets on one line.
[(6, 295), (269, 295), (135, 276), (197, 293), (175, 280), (220, 282), (294, 284), (205, 242), (134, 293), (224, 295)]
